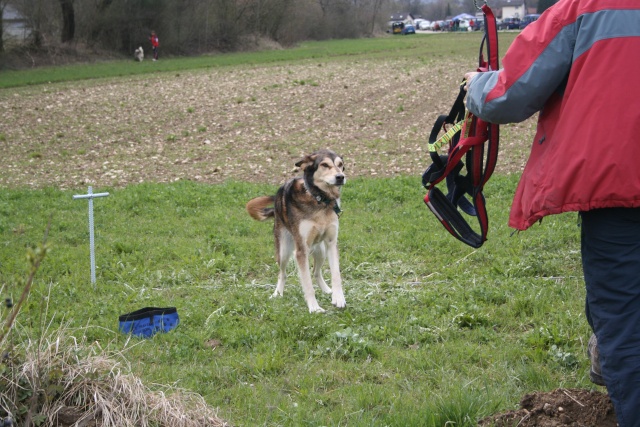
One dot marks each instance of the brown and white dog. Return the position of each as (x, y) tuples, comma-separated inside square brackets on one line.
[(305, 212)]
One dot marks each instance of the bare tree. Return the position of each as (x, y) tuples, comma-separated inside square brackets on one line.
[(36, 12), (36, 18), (275, 19), (375, 14), (227, 23), (121, 25), (196, 26), (2, 6), (68, 21)]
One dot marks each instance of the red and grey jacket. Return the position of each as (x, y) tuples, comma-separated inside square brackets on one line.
[(577, 65)]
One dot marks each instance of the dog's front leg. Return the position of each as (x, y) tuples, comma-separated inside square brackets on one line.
[(302, 259), (337, 294)]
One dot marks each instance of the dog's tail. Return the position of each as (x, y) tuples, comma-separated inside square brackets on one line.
[(261, 208)]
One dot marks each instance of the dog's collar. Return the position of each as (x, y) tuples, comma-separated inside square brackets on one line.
[(327, 201), (321, 198)]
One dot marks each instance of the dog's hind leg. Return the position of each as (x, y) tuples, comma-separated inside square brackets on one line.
[(284, 249), (319, 255), (337, 297)]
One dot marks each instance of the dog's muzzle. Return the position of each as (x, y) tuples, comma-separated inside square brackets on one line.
[(340, 180)]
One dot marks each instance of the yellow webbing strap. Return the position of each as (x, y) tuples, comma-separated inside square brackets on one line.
[(446, 138)]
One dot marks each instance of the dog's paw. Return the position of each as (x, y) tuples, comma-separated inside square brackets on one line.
[(276, 294), (327, 290), (315, 308), (338, 300), (323, 285)]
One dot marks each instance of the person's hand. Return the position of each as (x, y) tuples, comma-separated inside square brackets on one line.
[(468, 77)]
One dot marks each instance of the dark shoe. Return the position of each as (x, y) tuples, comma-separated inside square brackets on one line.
[(594, 355)]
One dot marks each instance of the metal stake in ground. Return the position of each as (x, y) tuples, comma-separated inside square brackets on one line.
[(91, 196)]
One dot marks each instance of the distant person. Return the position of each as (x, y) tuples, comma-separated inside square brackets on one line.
[(155, 43), (573, 66)]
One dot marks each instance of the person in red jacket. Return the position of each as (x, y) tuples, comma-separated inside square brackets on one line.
[(573, 67), (155, 44)]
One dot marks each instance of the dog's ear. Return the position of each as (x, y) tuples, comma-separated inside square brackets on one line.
[(307, 161)]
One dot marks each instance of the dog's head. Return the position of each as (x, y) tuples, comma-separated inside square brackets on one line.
[(324, 169)]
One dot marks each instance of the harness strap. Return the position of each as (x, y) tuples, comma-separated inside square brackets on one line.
[(467, 139), (442, 167)]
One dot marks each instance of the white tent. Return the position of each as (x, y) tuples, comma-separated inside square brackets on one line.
[(463, 16)]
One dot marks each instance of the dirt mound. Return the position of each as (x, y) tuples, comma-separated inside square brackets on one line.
[(561, 407)]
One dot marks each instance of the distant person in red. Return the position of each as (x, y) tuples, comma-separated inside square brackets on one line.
[(154, 44)]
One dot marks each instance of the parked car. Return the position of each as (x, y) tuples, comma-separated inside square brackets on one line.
[(408, 29), (462, 24), (509, 24), (397, 27), (424, 25), (528, 19), (438, 26)]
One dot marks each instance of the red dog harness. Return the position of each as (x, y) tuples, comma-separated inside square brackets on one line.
[(466, 138)]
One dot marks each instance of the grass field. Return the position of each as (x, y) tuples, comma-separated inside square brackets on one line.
[(435, 333)]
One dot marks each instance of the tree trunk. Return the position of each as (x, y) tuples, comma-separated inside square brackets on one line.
[(1, 27), (68, 21), (377, 4)]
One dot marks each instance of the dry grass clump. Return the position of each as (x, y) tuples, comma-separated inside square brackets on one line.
[(63, 381)]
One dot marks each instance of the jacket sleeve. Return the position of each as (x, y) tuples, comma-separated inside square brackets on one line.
[(535, 66)]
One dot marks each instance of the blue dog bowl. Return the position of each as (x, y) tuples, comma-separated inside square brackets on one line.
[(147, 321)]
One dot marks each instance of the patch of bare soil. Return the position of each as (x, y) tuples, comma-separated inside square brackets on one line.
[(245, 123), (558, 408)]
